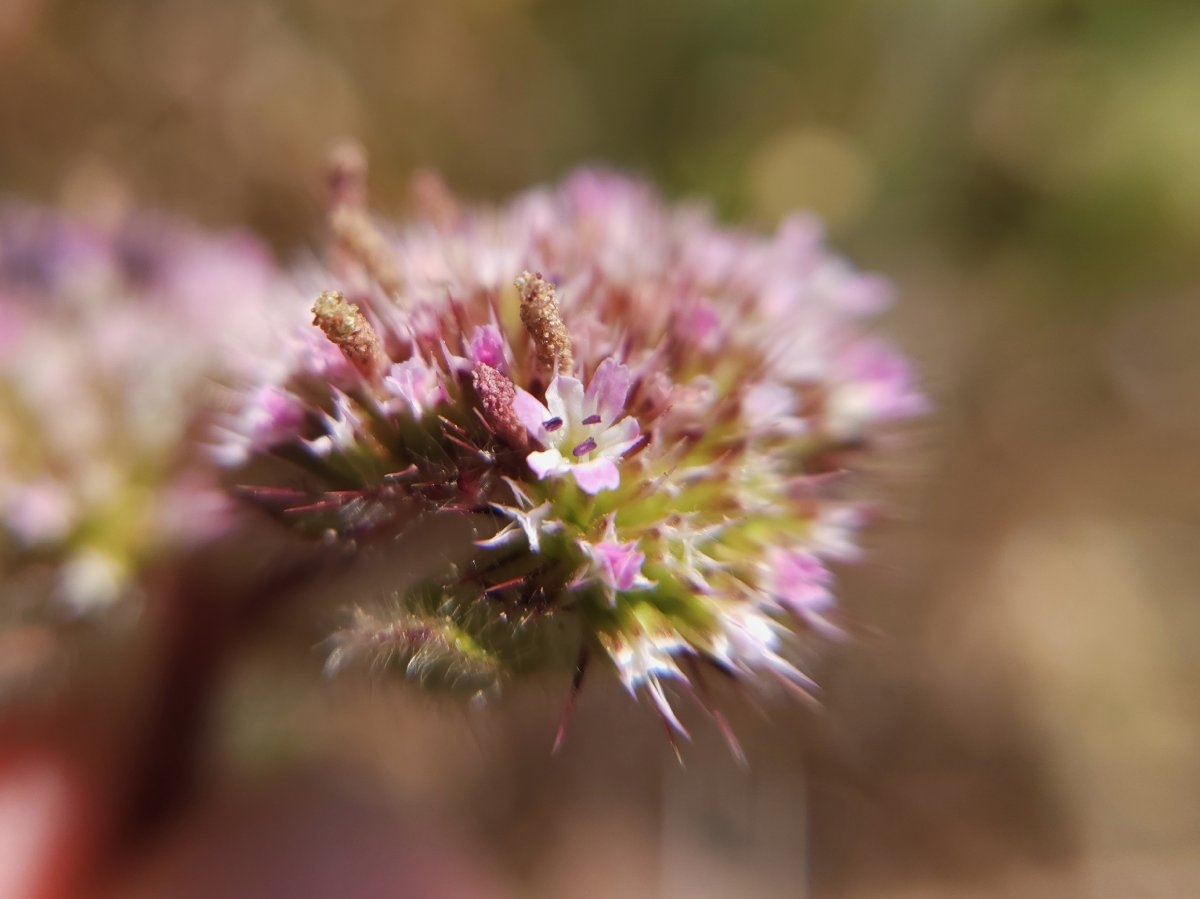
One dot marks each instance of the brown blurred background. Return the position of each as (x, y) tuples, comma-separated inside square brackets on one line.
[(1026, 721)]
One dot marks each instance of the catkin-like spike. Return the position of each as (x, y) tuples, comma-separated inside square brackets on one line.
[(357, 236), (345, 325), (497, 396), (433, 649), (540, 315)]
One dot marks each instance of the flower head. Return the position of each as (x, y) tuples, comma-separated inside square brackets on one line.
[(112, 340), (635, 410)]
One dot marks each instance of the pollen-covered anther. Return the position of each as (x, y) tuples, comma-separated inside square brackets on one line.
[(346, 326), (357, 236), (496, 397), (541, 317)]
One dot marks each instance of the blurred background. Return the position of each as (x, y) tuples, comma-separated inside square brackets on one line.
[(1024, 719)]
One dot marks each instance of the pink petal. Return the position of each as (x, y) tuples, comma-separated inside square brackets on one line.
[(864, 294), (530, 412), (801, 582), (699, 326), (416, 384), (487, 346), (594, 476), (609, 388), (621, 563), (40, 512), (767, 403)]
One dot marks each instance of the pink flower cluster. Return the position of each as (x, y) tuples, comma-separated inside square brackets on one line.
[(640, 412), (110, 335)]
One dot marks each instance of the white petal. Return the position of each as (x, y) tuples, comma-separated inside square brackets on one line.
[(548, 462)]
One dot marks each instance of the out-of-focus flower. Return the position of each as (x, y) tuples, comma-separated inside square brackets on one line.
[(637, 410), (108, 340)]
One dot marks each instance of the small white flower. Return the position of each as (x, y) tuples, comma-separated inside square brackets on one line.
[(582, 430), (414, 387), (616, 564)]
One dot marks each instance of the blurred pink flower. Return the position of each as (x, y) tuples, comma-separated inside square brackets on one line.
[(113, 344)]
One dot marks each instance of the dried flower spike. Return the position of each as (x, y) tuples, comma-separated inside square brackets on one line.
[(540, 315), (346, 327)]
